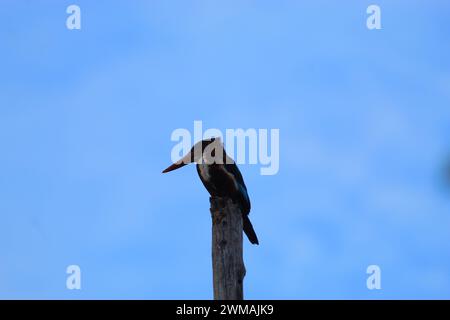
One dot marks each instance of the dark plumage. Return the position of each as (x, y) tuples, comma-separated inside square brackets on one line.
[(220, 178)]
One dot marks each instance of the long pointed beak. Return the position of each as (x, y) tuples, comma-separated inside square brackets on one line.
[(180, 163), (174, 166)]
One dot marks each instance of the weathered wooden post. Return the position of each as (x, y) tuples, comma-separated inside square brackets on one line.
[(221, 176), (227, 253)]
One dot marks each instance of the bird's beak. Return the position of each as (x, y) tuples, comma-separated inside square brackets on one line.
[(180, 163), (174, 167)]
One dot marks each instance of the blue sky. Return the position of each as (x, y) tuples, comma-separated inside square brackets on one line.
[(85, 124)]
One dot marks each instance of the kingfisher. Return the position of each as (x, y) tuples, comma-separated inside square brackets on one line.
[(220, 176)]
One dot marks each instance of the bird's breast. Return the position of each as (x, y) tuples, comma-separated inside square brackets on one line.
[(204, 172), (217, 179)]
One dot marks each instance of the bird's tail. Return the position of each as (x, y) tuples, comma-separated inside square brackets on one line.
[(249, 231)]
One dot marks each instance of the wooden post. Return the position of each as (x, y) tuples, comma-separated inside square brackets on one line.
[(227, 254)]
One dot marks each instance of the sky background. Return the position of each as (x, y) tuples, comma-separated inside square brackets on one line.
[(86, 118)]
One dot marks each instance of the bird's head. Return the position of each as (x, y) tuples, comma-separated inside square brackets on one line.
[(207, 151)]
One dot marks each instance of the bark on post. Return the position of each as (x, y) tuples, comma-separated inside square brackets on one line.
[(227, 253)]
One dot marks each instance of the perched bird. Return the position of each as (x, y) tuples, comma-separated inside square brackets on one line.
[(220, 176)]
